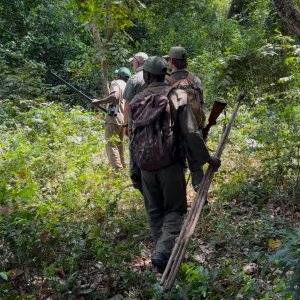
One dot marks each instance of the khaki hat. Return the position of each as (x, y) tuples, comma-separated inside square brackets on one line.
[(123, 72), (178, 53), (156, 65), (140, 56)]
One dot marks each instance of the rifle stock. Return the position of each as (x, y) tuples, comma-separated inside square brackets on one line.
[(218, 107), (50, 73)]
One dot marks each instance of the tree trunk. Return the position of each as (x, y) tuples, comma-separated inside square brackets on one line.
[(101, 62), (289, 13), (239, 10), (104, 75)]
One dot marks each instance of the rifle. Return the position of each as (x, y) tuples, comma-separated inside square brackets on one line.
[(218, 107), (52, 75), (192, 217)]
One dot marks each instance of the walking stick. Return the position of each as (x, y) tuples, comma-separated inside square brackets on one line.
[(191, 220)]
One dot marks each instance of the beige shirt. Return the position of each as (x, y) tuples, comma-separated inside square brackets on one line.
[(117, 86)]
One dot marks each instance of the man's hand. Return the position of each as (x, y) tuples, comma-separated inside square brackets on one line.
[(137, 182), (96, 102), (137, 185), (197, 177), (215, 162)]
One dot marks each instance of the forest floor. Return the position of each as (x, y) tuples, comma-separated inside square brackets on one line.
[(71, 228)]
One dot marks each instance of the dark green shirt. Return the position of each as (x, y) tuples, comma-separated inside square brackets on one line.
[(182, 74), (193, 143)]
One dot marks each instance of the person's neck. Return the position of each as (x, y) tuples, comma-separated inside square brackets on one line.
[(150, 81), (174, 69)]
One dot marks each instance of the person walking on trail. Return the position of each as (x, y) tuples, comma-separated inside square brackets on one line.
[(134, 85), (114, 122), (161, 122), (181, 78)]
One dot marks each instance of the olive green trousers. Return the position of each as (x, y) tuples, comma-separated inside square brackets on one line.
[(165, 201)]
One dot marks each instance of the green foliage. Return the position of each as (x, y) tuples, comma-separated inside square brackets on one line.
[(198, 279), (68, 223), (110, 15), (287, 260), (50, 31), (56, 190)]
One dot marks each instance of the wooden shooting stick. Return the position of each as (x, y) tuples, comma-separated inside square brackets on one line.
[(191, 220)]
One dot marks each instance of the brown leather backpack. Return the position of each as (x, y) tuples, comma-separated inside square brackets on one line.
[(194, 96)]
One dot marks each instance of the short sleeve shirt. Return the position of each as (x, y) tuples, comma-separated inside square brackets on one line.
[(118, 86), (134, 85)]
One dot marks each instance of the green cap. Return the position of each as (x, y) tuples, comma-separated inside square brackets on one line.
[(156, 65), (123, 72), (178, 53)]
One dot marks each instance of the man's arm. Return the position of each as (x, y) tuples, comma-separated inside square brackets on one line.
[(127, 96), (113, 97), (126, 112), (195, 148)]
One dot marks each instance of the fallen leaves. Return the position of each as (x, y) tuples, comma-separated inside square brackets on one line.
[(44, 237), (22, 174), (61, 273), (250, 269), (101, 214), (14, 273), (206, 251), (5, 210), (274, 244)]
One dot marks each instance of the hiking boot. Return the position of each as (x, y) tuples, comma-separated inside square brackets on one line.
[(160, 261)]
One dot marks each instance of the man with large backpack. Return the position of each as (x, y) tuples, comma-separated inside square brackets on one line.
[(182, 79), (161, 123)]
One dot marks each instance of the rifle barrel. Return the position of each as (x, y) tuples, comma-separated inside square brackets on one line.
[(73, 88)]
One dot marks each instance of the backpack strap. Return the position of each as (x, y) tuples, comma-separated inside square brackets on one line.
[(167, 90), (144, 108), (175, 83), (190, 79), (170, 79)]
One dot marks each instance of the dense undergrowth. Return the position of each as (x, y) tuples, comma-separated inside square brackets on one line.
[(72, 228)]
